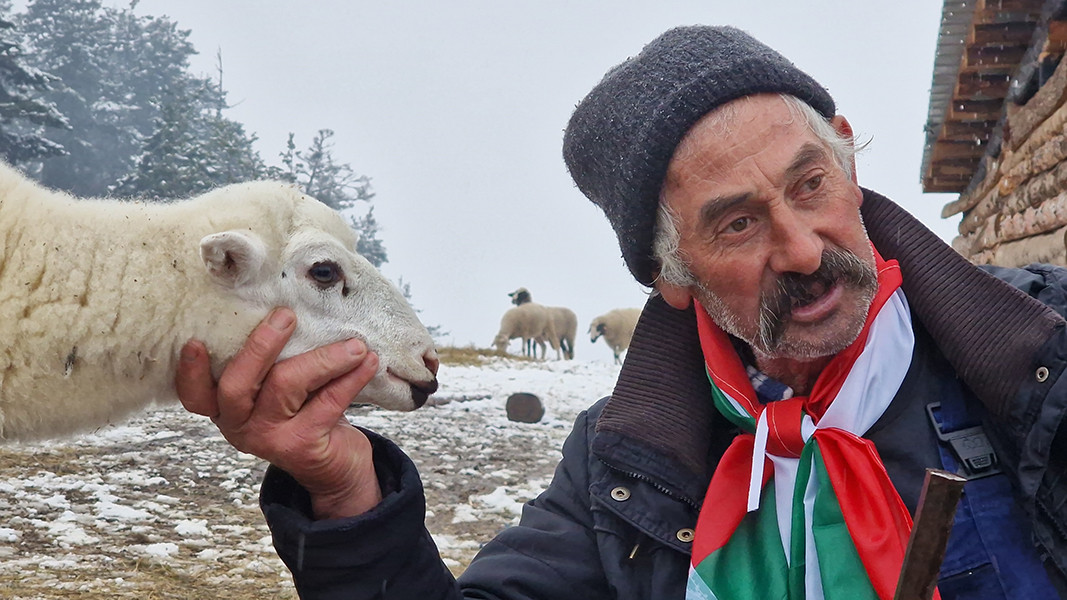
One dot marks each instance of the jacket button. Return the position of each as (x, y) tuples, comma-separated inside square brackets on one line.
[(1042, 374), (684, 535), (620, 494)]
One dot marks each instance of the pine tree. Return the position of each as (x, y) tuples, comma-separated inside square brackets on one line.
[(319, 175), (112, 66), (370, 246), (24, 115), (192, 149)]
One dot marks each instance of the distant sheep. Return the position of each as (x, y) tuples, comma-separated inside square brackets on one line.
[(617, 327), (564, 324), (520, 296), (528, 322), (97, 298), (565, 327)]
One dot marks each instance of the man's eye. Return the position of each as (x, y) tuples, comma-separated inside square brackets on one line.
[(738, 224), (813, 183)]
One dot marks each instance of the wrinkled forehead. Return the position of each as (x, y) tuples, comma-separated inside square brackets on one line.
[(760, 126), (758, 115)]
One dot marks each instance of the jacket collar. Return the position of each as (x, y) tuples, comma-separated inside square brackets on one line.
[(660, 422)]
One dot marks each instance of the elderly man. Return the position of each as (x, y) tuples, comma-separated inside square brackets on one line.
[(784, 392)]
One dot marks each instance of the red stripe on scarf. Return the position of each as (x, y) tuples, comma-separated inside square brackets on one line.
[(880, 529), (877, 519), (727, 493)]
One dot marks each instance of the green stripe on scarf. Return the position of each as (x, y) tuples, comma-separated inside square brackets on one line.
[(843, 576), (752, 565), (722, 402)]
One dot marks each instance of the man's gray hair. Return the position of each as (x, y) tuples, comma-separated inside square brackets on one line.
[(673, 265)]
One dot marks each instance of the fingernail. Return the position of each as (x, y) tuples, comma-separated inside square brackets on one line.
[(190, 352), (355, 347), (281, 318)]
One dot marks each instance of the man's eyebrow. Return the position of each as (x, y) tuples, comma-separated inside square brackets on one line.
[(808, 154), (717, 206)]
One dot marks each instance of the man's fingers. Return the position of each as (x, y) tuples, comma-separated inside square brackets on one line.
[(245, 373), (292, 380), (193, 381), (329, 403)]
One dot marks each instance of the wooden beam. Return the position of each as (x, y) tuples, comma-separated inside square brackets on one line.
[(1023, 120), (937, 185), (1044, 248), (968, 109), (1009, 6), (1002, 33), (982, 85), (985, 16), (987, 56), (944, 150), (1057, 37), (964, 131)]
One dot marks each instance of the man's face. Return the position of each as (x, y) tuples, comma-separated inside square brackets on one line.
[(771, 228)]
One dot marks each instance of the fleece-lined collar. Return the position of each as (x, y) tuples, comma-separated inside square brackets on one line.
[(988, 330)]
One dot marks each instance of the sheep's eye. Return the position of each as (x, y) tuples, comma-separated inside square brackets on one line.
[(325, 273)]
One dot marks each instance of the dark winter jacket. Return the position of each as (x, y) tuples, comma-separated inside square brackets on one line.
[(616, 521)]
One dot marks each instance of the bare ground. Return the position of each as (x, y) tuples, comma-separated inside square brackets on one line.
[(162, 507)]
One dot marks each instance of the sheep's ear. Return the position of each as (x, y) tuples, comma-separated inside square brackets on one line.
[(232, 258)]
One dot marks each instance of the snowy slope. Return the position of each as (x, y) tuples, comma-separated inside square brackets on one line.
[(160, 506)]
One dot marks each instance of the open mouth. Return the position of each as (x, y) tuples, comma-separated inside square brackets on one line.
[(807, 294)]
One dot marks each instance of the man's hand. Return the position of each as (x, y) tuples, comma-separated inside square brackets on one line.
[(291, 413)]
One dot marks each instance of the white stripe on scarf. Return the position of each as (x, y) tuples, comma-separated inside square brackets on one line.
[(864, 396)]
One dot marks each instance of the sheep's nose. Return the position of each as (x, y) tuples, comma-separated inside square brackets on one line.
[(431, 361)]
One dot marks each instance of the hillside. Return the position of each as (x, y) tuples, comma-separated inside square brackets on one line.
[(162, 507)]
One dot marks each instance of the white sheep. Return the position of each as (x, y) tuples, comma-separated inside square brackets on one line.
[(563, 324), (565, 329), (617, 327), (98, 296), (527, 321)]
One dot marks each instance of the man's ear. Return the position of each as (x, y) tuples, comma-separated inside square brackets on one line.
[(844, 129), (676, 296)]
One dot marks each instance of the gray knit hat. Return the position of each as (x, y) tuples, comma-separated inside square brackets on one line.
[(621, 137)]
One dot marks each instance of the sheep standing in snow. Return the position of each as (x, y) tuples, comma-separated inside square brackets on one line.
[(617, 327), (530, 323), (98, 296), (564, 323)]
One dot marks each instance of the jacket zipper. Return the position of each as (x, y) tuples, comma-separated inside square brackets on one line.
[(660, 488)]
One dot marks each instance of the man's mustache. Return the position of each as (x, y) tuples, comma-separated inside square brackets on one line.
[(794, 290)]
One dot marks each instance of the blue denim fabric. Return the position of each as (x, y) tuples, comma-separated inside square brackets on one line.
[(990, 555)]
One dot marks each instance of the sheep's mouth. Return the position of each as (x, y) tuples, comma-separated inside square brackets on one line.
[(420, 390)]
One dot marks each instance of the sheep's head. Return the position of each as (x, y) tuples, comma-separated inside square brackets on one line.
[(336, 294), (500, 342), (520, 296), (596, 329)]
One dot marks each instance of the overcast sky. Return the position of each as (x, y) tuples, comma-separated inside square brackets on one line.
[(456, 110)]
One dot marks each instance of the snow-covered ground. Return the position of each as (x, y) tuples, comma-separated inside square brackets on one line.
[(162, 507)]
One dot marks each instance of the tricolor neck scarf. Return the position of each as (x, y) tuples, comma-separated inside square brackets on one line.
[(800, 506)]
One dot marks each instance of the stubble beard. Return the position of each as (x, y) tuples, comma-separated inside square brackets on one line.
[(769, 338)]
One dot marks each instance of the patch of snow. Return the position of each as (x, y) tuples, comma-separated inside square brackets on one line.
[(192, 527)]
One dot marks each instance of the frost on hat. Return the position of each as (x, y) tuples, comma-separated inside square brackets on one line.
[(621, 137)]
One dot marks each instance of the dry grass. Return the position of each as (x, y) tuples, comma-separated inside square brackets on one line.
[(138, 580), (469, 356)]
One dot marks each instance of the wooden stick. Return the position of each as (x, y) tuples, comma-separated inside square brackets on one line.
[(929, 536)]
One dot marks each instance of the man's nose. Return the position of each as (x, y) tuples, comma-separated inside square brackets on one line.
[(797, 246)]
